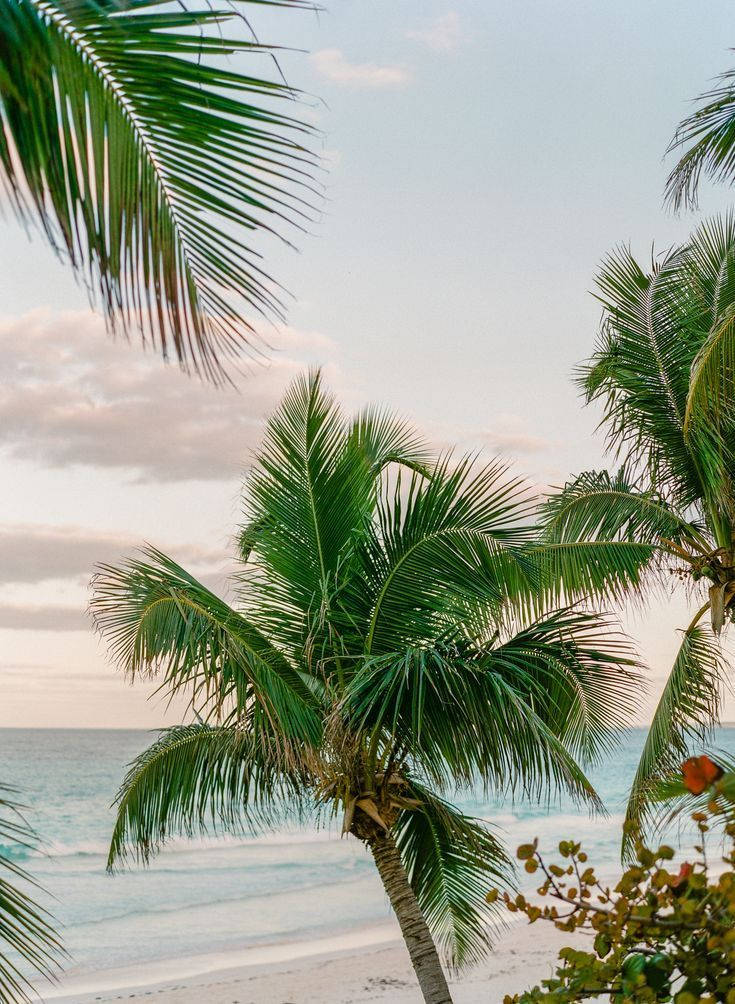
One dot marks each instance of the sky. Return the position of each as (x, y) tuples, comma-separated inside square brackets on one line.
[(481, 157)]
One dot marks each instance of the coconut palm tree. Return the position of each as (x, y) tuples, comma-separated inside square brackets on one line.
[(382, 651), (151, 161), (663, 374)]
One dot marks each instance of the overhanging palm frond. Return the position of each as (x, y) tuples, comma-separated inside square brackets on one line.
[(199, 778), (451, 861), (685, 715), (150, 162), (709, 134), (159, 620), (29, 946)]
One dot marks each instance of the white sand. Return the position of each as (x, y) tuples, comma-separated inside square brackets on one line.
[(374, 971)]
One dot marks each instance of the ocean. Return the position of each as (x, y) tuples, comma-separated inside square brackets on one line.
[(223, 895)]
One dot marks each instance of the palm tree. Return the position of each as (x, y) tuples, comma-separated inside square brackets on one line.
[(150, 161), (26, 930), (663, 373), (382, 651)]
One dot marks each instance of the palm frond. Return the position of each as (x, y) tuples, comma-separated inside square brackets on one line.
[(196, 779), (709, 134), (159, 620), (304, 509), (601, 533), (640, 370), (597, 505), (439, 548), (684, 717), (587, 671), (385, 439), (29, 945), (451, 861), (610, 570), (150, 163), (513, 715)]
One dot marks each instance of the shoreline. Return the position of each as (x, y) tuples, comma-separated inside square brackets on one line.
[(365, 965), (160, 972)]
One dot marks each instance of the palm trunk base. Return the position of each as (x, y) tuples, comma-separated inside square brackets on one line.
[(415, 931)]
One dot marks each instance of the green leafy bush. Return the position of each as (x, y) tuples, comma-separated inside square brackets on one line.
[(664, 932)]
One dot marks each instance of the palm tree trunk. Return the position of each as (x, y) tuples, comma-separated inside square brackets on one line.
[(414, 928)]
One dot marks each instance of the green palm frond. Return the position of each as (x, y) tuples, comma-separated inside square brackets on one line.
[(313, 487), (151, 163), (640, 370), (451, 861), (709, 423), (597, 505), (610, 570), (508, 715), (304, 509), (684, 717), (440, 547), (580, 672), (385, 439), (196, 779), (29, 946), (601, 533), (709, 134), (159, 620)]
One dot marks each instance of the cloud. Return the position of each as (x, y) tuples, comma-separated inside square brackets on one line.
[(72, 395), (507, 435), (442, 34), (36, 553), (29, 617), (332, 64), (512, 443)]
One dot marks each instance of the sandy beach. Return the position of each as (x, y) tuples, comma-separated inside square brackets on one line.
[(375, 972)]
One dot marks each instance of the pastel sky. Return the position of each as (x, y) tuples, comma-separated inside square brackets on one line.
[(482, 157)]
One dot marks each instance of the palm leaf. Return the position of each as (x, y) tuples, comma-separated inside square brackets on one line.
[(150, 163), (686, 712), (599, 506), (196, 779), (508, 714), (439, 548), (28, 942), (159, 620), (592, 569), (709, 134), (304, 511), (640, 370), (451, 861), (601, 533)]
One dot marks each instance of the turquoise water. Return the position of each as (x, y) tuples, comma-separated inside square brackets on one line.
[(220, 895)]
